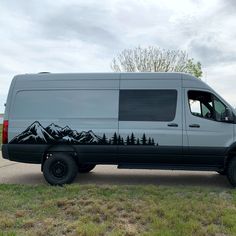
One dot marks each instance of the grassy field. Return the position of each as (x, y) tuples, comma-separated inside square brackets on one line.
[(116, 210)]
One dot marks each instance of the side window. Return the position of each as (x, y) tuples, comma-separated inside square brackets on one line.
[(220, 109), (147, 105), (205, 110), (195, 107), (206, 105)]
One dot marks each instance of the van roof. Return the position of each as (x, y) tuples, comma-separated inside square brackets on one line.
[(106, 75)]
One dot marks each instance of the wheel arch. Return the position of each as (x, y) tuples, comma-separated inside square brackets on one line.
[(69, 149), (231, 152)]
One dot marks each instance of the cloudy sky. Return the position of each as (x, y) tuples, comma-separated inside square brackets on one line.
[(84, 36)]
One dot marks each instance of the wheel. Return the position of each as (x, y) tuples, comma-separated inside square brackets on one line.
[(60, 169), (231, 172), (85, 168), (221, 172)]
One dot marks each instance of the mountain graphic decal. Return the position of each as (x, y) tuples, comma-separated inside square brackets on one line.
[(54, 134), (34, 134)]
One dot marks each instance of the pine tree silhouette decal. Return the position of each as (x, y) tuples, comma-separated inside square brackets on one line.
[(153, 143), (120, 141), (127, 141), (114, 139), (132, 139), (144, 140), (138, 142), (149, 141), (104, 139)]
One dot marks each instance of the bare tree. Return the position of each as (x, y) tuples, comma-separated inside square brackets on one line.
[(153, 59)]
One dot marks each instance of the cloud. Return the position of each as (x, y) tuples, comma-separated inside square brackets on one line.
[(209, 50), (79, 22), (84, 36), (229, 6)]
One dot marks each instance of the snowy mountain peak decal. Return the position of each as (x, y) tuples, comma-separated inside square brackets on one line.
[(54, 134), (34, 134)]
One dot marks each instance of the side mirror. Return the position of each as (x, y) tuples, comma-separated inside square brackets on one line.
[(227, 116)]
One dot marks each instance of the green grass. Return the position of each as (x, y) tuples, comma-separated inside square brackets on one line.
[(116, 210)]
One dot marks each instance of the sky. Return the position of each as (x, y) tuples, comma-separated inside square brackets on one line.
[(84, 36)]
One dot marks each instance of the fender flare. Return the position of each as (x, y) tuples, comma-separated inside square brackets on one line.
[(59, 148), (230, 152)]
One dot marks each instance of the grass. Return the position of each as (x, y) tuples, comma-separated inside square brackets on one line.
[(116, 210)]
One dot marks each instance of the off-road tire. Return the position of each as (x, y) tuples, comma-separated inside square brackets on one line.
[(85, 168), (231, 172), (60, 169)]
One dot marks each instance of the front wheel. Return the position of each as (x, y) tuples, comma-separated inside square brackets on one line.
[(85, 168), (59, 169), (231, 172)]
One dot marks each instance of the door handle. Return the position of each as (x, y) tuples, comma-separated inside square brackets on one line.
[(173, 125), (194, 126)]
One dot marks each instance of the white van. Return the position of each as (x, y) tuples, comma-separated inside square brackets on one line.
[(73, 122)]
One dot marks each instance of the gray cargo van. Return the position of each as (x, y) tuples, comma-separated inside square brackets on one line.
[(70, 123)]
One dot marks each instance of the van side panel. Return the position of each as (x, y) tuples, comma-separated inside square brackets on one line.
[(163, 138), (78, 112)]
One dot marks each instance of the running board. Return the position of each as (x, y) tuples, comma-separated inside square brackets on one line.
[(168, 167)]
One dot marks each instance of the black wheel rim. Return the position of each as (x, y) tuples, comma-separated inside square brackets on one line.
[(58, 169)]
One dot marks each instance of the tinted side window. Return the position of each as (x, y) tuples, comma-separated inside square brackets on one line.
[(147, 105), (220, 109)]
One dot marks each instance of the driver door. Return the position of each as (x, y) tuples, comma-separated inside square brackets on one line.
[(207, 135)]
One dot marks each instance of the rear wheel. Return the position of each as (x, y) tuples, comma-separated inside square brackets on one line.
[(85, 168), (59, 169), (231, 172)]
